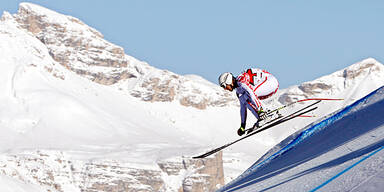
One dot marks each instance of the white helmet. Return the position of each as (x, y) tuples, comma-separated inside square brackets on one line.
[(226, 79)]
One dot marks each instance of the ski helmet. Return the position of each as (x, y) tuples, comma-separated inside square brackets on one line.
[(226, 79)]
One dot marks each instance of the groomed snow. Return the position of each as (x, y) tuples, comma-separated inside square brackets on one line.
[(342, 152), (45, 106)]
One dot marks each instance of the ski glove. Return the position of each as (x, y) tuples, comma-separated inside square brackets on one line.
[(241, 131)]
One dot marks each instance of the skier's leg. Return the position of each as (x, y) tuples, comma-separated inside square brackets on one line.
[(253, 109)]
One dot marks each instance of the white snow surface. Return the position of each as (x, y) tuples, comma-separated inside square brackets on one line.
[(342, 152), (38, 110), (8, 184)]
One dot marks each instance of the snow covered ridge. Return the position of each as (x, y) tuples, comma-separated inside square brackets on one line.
[(75, 45), (83, 50), (50, 101), (361, 75), (46, 106), (318, 156)]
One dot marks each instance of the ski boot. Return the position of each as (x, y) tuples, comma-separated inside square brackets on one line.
[(262, 114), (255, 127)]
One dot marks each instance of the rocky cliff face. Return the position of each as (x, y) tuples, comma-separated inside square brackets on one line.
[(58, 171), (83, 50), (77, 46), (165, 86)]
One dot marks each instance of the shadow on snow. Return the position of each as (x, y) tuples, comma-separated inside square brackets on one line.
[(334, 135)]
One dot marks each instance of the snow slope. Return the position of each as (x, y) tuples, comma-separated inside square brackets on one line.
[(350, 83), (342, 152), (39, 110), (45, 105), (8, 184)]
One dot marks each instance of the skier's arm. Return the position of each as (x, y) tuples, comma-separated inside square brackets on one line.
[(254, 99)]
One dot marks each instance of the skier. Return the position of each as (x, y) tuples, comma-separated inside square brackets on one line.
[(251, 86)]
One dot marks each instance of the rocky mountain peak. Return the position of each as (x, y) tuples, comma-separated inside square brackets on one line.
[(366, 71), (33, 12), (77, 46), (82, 49), (361, 69)]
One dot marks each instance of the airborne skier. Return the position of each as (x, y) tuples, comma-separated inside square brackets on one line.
[(251, 86)]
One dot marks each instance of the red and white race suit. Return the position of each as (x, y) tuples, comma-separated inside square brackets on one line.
[(254, 85)]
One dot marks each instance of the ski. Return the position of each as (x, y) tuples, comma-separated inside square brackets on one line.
[(275, 122), (249, 130), (302, 100), (270, 113)]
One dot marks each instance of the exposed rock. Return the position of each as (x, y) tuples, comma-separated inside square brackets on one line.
[(56, 171), (208, 177), (83, 50), (158, 90), (75, 45), (165, 86), (314, 88), (353, 73), (334, 83), (190, 101)]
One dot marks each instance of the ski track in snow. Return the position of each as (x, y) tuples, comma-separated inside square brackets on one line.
[(91, 121), (342, 152)]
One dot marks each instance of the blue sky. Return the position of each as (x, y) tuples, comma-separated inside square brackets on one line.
[(295, 40)]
